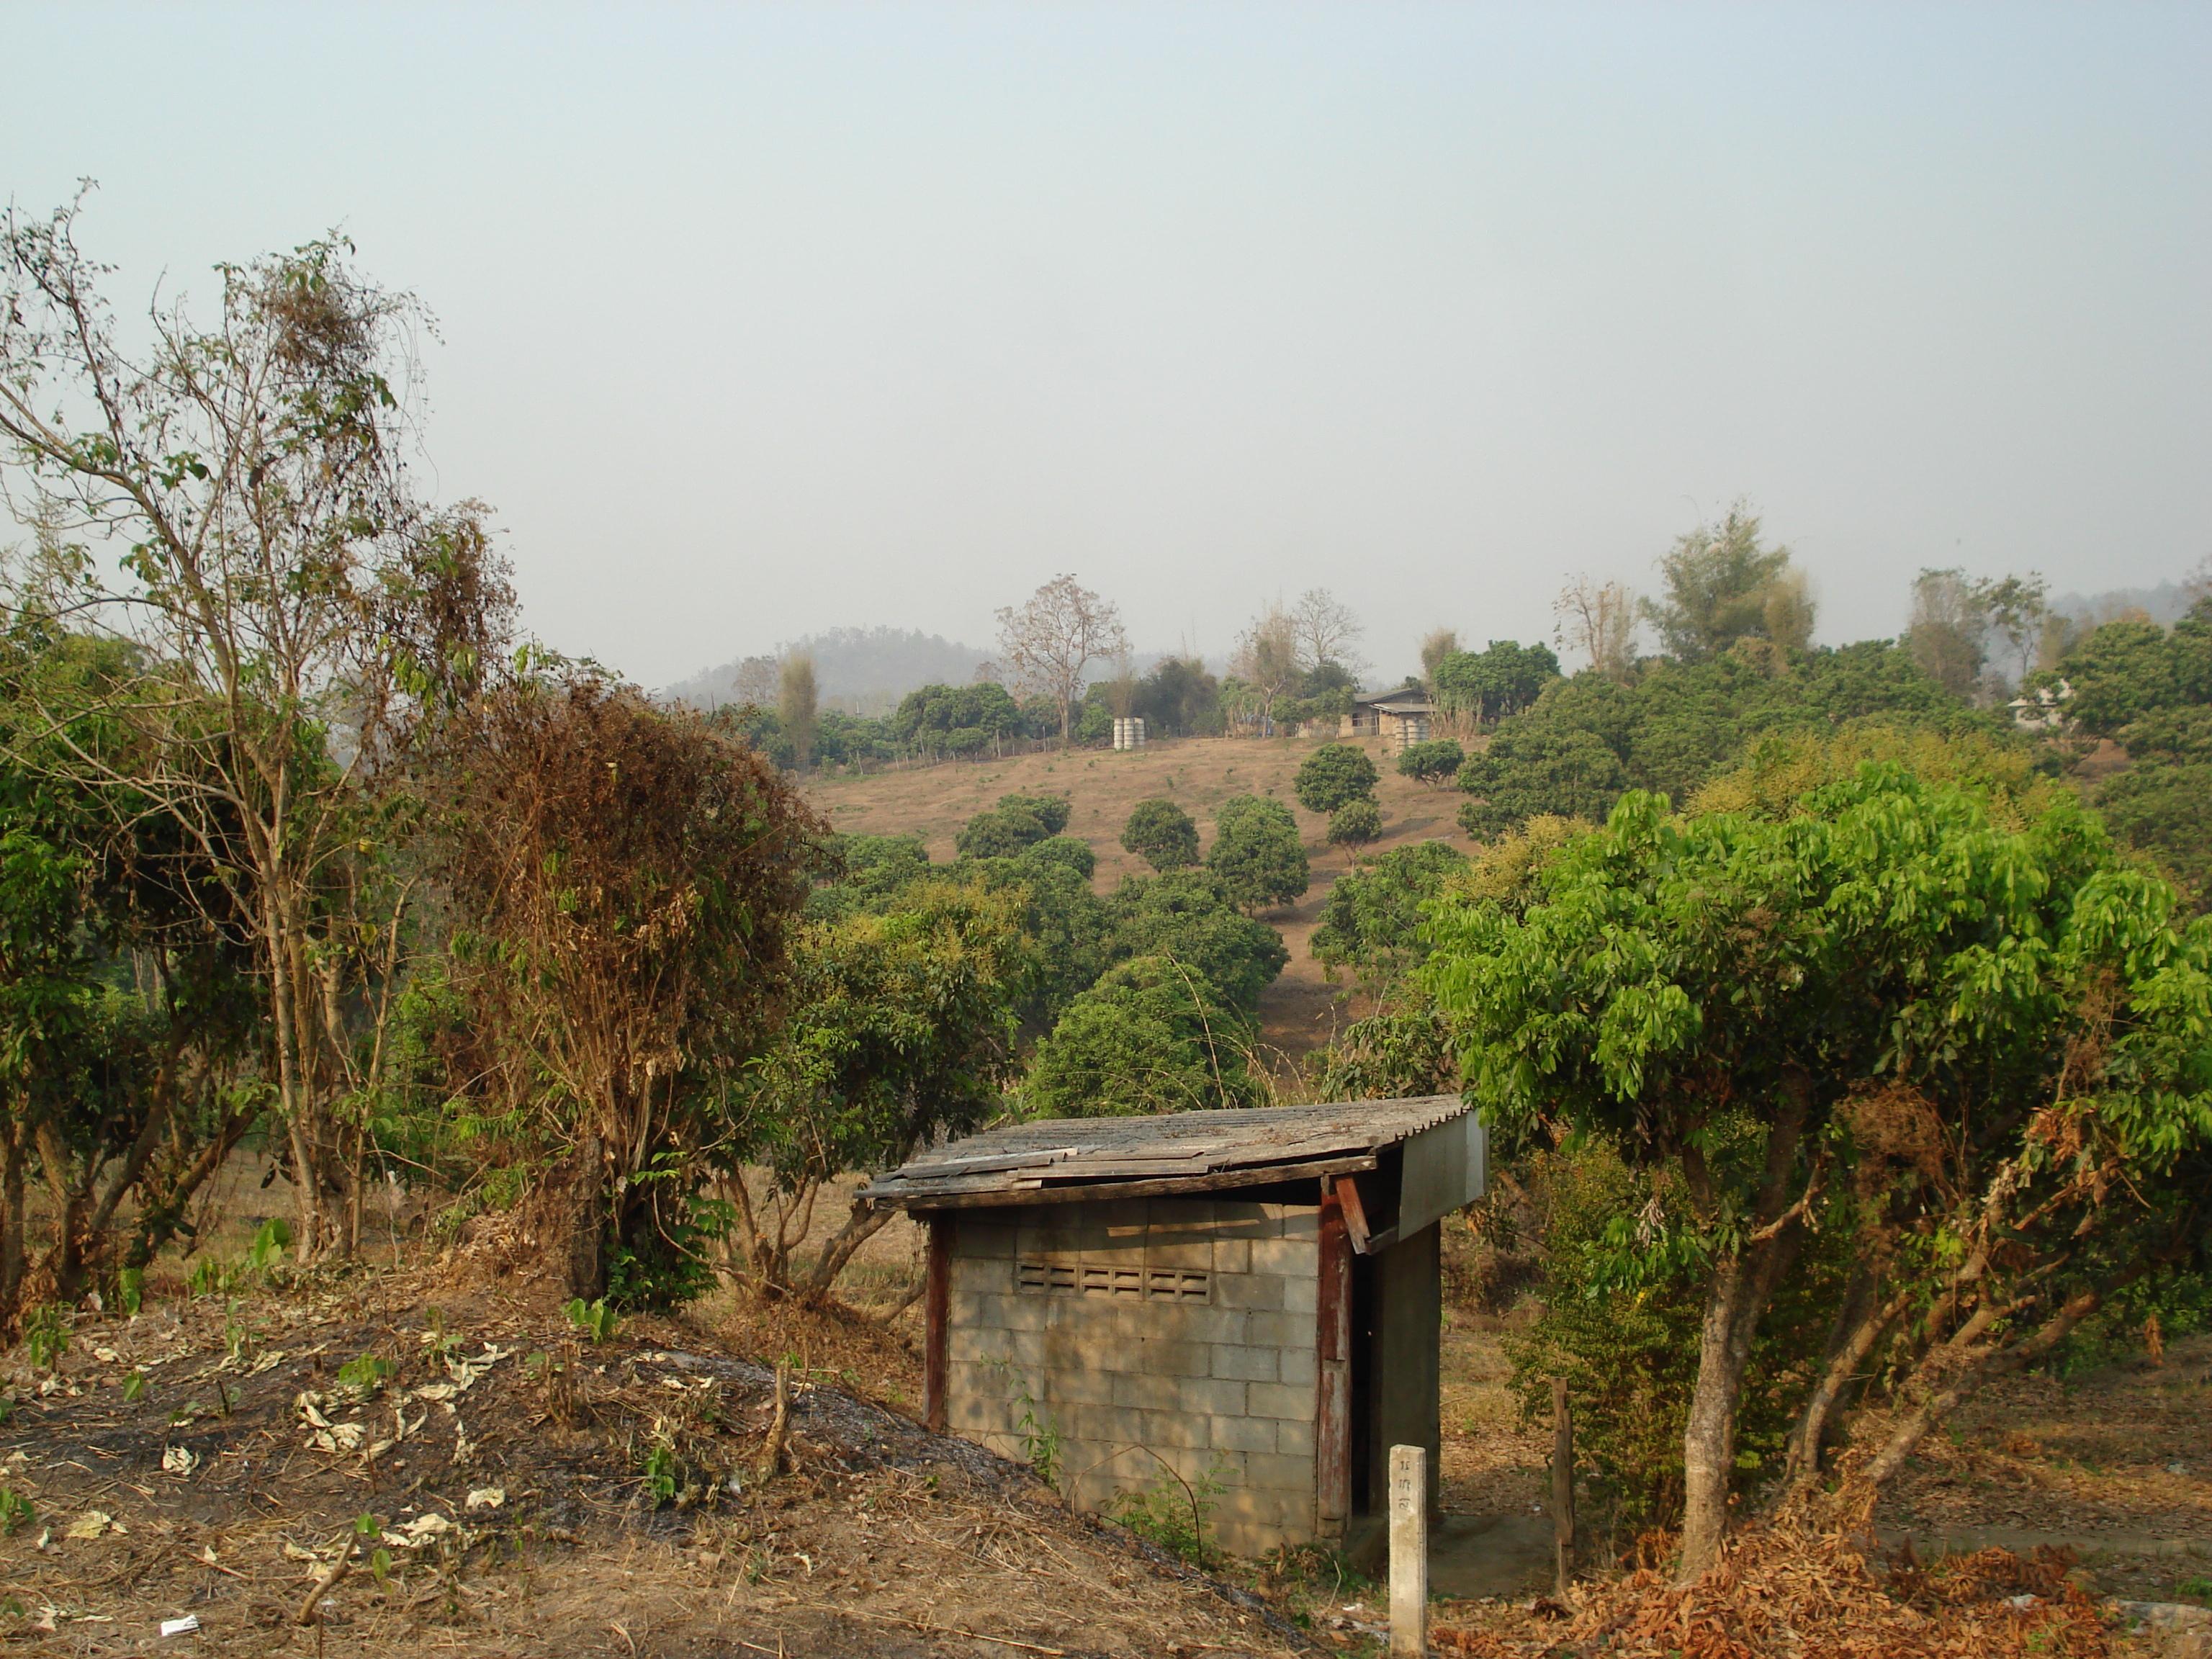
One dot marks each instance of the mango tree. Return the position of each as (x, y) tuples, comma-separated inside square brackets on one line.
[(1727, 995)]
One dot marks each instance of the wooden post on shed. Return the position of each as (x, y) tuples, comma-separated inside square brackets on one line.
[(937, 1309), (1563, 1483), (1409, 1551), (1333, 1376)]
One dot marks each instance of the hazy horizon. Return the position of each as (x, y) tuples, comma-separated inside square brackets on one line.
[(758, 322)]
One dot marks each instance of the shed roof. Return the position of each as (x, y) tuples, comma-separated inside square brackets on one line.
[(1057, 1158), (1404, 701)]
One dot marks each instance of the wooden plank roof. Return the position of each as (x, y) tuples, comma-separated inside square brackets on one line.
[(1178, 1152)]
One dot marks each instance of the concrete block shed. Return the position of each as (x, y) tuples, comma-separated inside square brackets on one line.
[(1252, 1295)]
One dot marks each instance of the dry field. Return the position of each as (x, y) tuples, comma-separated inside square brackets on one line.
[(1302, 1009)]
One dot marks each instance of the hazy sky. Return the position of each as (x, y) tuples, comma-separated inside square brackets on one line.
[(758, 320)]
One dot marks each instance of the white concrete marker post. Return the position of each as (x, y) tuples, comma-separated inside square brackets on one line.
[(1409, 1551)]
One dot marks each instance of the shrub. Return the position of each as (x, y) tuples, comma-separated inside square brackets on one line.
[(1257, 855), (1153, 1035), (1065, 852), (1017, 822), (1431, 762), (1334, 775), (1189, 916), (1372, 920), (1161, 834), (1355, 824)]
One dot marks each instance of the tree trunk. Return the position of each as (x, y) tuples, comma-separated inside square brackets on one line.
[(1709, 1437), (1859, 1326), (12, 1254), (1935, 1404), (864, 1223), (1743, 1284)]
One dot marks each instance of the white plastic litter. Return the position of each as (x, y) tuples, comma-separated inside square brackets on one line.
[(184, 1626)]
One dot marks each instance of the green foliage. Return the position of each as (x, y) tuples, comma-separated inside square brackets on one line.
[(1588, 740), (1161, 834), (1630, 1354), (365, 1374), (1405, 1050), (1493, 683), (866, 873), (1728, 992), (1016, 822), (1433, 762), (1066, 852), (1175, 1514), (598, 1320), (15, 1512), (1355, 824), (902, 1030), (270, 1240), (675, 1265), (1257, 856), (1334, 775), (1372, 921), (660, 1467), (955, 719), (1178, 699), (1535, 771), (1191, 918), (135, 1387), (1719, 581), (1152, 1035), (45, 1334), (2153, 692)]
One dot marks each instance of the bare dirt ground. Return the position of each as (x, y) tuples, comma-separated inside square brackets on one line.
[(1303, 1009), (243, 1461)]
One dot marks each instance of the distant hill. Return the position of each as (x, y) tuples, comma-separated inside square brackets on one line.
[(863, 671)]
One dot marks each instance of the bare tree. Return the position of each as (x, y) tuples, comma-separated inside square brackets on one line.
[(1791, 609), (1266, 660), (1324, 630), (1049, 642), (252, 470), (1597, 619), (1440, 643), (986, 673), (795, 703), (2017, 608), (756, 684)]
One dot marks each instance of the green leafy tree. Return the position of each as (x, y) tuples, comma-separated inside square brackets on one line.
[(1150, 1036), (1723, 994), (1161, 834), (1016, 822), (1719, 580), (1189, 917), (1372, 921), (1332, 774), (1536, 771), (1179, 699), (280, 583), (956, 720), (902, 1030), (1355, 824), (1434, 762), (1495, 682), (1257, 856)]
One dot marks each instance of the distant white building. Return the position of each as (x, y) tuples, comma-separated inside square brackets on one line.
[(2043, 712)]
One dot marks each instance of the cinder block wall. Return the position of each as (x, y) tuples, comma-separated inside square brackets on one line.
[(1164, 1329)]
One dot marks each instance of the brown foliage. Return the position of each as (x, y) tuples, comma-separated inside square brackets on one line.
[(626, 881)]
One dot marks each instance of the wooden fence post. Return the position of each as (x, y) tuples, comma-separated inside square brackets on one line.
[(1563, 1484), (1409, 1551)]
